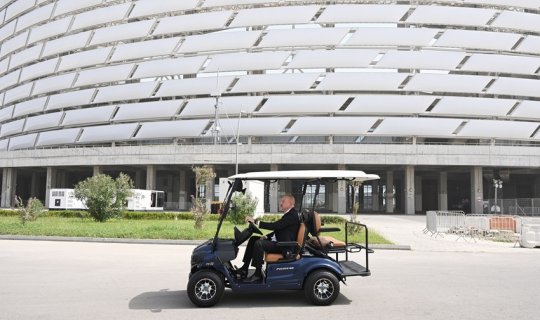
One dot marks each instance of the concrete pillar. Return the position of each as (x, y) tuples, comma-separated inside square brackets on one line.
[(418, 193), (443, 191), (9, 182), (389, 192), (50, 183), (182, 190), (97, 170), (341, 192), (477, 190), (274, 189), (33, 185), (210, 185), (409, 190), (375, 190), (150, 177)]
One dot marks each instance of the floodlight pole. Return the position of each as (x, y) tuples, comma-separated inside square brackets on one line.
[(237, 140)]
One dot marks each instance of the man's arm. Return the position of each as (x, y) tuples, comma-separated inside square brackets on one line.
[(285, 221)]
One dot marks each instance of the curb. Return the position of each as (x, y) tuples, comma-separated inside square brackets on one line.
[(154, 241)]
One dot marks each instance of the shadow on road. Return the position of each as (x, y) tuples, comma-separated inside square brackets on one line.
[(164, 299)]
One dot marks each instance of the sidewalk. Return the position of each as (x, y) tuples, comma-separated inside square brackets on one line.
[(408, 230)]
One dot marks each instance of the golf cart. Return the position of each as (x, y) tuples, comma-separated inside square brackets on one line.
[(314, 265)]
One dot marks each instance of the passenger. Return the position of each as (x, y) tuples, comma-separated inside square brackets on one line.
[(285, 229)]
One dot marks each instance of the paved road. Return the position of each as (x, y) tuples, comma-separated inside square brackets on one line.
[(60, 280)]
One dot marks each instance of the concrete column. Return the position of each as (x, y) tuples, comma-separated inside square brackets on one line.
[(210, 191), (418, 193), (389, 192), (274, 189), (341, 192), (33, 185), (9, 181), (443, 191), (97, 170), (139, 179), (150, 177), (375, 186), (50, 183), (182, 190), (477, 190), (409, 190)]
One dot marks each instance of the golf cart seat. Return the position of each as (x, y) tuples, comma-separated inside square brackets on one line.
[(295, 255), (322, 242)]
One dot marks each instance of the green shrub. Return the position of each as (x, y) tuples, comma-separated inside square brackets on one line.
[(243, 205), (33, 209)]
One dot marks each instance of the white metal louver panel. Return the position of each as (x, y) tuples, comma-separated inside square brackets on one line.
[(12, 127), (57, 137), (379, 36), (34, 16), (7, 30), (106, 133), (17, 93), (498, 129), (447, 83), (217, 3), (527, 109), (433, 60), (88, 115), (66, 43), (370, 81), (477, 39), (54, 83), (99, 16), (340, 58), (67, 6), (6, 113), (274, 16), (143, 49), (219, 41), (4, 144), (4, 65), (13, 44), (49, 120), (148, 110), (172, 129), (331, 126), (303, 104), (30, 106), (70, 99), (84, 58), (49, 30), (363, 13), (166, 67), (39, 69), (451, 16), (9, 79), (105, 74), (531, 44), (228, 106), (193, 22), (517, 87), (253, 126), (247, 61), (304, 37), (422, 127), (194, 86), (530, 4), (22, 142), (275, 82), (502, 63), (151, 7), (389, 104), (122, 32), (518, 20), (25, 56), (131, 91), (473, 106), (17, 7)]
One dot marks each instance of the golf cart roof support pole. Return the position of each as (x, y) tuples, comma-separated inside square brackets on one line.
[(225, 209), (304, 188), (316, 194)]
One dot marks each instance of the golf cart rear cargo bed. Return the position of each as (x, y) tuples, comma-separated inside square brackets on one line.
[(351, 269)]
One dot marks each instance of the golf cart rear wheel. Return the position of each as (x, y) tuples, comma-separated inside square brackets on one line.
[(321, 288), (205, 288)]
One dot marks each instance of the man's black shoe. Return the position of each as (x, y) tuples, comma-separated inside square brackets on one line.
[(241, 273), (254, 278)]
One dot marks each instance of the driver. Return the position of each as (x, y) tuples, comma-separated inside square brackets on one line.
[(285, 229)]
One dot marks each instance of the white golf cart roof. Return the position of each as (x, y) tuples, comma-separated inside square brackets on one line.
[(349, 175)]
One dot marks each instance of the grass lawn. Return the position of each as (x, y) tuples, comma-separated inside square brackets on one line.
[(138, 229)]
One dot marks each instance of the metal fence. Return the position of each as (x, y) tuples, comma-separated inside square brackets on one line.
[(519, 207)]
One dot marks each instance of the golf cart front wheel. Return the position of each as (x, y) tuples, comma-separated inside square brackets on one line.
[(321, 288), (205, 288)]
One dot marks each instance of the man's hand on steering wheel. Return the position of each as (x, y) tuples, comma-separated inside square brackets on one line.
[(250, 219)]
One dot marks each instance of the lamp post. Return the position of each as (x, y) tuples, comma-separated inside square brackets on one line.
[(497, 184), (237, 138)]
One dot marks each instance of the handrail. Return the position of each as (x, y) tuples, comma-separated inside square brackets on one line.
[(347, 241)]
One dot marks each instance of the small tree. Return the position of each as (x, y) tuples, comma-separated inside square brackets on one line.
[(104, 196), (33, 209), (203, 174), (244, 205)]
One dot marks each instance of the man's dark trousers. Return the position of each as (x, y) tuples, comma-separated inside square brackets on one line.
[(256, 248)]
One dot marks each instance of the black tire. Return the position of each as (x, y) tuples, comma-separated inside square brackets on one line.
[(321, 288), (205, 288)]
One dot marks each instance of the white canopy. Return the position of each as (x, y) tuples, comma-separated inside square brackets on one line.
[(307, 175)]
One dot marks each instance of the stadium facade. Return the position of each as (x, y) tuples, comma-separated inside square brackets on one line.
[(437, 97)]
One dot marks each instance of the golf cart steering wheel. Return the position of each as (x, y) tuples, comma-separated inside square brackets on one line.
[(253, 228)]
